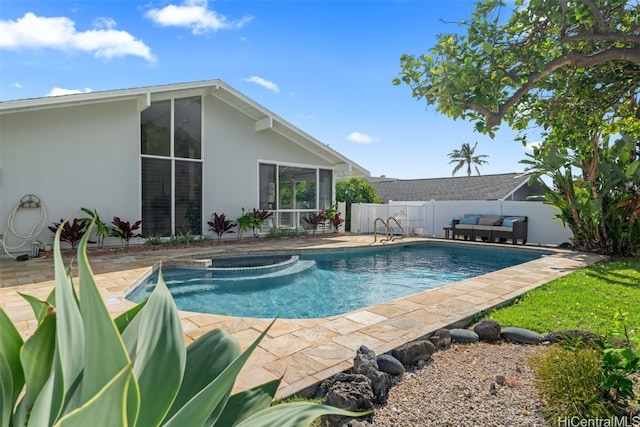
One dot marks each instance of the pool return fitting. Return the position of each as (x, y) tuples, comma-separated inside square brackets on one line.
[(28, 202)]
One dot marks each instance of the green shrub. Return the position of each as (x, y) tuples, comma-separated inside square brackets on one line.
[(285, 232), (153, 239), (621, 359), (81, 367), (570, 380)]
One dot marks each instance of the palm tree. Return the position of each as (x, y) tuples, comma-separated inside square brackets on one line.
[(465, 156)]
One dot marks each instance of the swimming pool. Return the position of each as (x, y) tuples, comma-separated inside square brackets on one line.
[(325, 284)]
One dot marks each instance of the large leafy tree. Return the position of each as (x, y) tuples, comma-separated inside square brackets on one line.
[(571, 69), (466, 156), (355, 190)]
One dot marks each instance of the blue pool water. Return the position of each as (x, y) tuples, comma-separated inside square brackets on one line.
[(327, 284)]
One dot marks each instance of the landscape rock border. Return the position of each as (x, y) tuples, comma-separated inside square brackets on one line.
[(385, 370)]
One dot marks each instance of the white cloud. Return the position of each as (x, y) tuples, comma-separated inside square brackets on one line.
[(105, 23), (529, 147), (34, 32), (58, 91), (264, 83), (16, 85), (194, 14), (361, 138)]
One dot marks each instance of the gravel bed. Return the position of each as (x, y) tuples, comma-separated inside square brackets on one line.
[(455, 389)]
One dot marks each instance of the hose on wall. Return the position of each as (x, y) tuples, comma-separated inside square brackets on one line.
[(29, 201)]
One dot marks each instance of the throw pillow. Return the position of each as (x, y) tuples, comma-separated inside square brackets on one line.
[(470, 220), (507, 222), (489, 221)]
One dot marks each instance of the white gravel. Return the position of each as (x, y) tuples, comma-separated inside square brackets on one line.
[(455, 389)]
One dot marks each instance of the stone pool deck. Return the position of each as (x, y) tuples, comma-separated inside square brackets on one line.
[(301, 352)]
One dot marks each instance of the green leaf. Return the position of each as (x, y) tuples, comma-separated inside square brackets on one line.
[(37, 357), (11, 374), (246, 403), (69, 330), (105, 353), (209, 403), (6, 392), (160, 356), (40, 308), (49, 402), (294, 414), (108, 408), (127, 317), (207, 358)]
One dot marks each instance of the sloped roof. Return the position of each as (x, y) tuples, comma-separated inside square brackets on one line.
[(480, 187), (264, 118)]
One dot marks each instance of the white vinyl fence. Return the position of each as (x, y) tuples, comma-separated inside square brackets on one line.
[(430, 218)]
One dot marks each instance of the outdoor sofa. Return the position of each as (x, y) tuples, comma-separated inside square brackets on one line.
[(490, 228)]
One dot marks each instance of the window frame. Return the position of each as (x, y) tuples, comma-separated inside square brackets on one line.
[(172, 158)]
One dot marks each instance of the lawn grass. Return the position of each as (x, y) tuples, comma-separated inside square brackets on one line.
[(585, 299)]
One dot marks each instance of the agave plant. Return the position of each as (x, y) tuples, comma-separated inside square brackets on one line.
[(81, 367)]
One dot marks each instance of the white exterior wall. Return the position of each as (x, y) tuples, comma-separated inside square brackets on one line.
[(89, 156), (430, 218), (73, 157), (232, 150)]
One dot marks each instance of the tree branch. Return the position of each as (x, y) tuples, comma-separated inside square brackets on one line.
[(602, 26), (494, 118), (613, 37)]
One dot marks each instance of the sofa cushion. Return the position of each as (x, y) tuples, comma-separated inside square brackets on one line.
[(489, 221), (472, 220), (465, 226), (484, 227), (507, 222), (516, 218)]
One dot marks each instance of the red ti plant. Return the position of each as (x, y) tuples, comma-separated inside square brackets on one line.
[(124, 230), (336, 221), (220, 225), (314, 220), (72, 232)]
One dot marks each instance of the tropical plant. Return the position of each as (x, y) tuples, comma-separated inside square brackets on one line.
[(261, 216), (124, 230), (102, 229), (221, 225), (567, 69), (620, 360), (249, 221), (315, 219), (81, 367), (355, 190), (603, 209), (336, 221), (466, 156), (70, 232)]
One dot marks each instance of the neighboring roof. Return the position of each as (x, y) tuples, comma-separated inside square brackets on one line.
[(264, 118), (481, 187)]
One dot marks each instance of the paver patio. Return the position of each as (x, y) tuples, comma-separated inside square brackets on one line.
[(307, 351)]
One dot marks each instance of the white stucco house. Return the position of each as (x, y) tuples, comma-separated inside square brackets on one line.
[(170, 155)]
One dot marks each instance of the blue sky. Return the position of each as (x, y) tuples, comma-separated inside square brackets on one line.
[(326, 66)]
